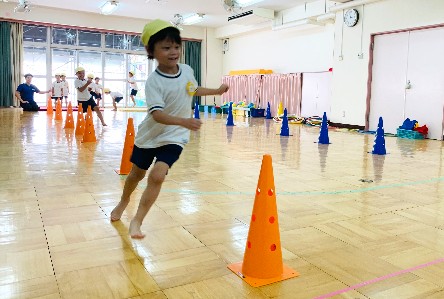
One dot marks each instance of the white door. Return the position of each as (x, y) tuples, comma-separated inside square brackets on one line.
[(389, 79), (316, 94), (425, 98)]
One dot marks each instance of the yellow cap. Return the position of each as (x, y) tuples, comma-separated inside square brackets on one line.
[(90, 76), (57, 74), (79, 69), (63, 74), (106, 90), (152, 28), (132, 72)]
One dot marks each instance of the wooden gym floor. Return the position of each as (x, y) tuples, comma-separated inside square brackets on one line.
[(354, 225)]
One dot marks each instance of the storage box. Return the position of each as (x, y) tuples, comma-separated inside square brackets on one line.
[(257, 112), (409, 134)]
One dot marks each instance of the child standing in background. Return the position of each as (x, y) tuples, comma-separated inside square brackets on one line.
[(57, 89), (134, 88), (98, 90), (65, 88)]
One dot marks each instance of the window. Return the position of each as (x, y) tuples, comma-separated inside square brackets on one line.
[(64, 36), (136, 43), (90, 38), (33, 33), (116, 41), (115, 66), (91, 62), (63, 61), (34, 61)]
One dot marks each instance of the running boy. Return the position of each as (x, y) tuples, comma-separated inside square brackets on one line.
[(132, 81), (115, 95), (83, 95), (166, 129)]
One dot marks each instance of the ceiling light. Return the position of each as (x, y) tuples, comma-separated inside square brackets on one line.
[(193, 19), (109, 7), (244, 3)]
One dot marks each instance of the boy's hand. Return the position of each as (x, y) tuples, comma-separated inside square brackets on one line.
[(222, 89), (192, 123)]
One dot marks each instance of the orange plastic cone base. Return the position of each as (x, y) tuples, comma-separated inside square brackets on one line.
[(69, 123), (125, 164), (287, 273), (49, 109), (80, 127), (263, 256), (90, 132), (58, 114)]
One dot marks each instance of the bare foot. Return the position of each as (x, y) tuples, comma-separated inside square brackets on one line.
[(103, 124), (113, 109), (134, 230), (118, 211)]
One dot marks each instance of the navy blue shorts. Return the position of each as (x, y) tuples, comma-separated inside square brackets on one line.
[(118, 99), (85, 104), (144, 157), (133, 92)]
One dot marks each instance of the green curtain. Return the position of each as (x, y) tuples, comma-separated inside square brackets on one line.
[(6, 98), (193, 59)]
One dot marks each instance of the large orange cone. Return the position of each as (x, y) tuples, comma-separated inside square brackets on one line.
[(262, 263), (58, 114), (125, 164), (90, 132), (69, 122), (80, 127), (49, 109)]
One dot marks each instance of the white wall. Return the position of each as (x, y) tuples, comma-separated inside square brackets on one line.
[(350, 75), (211, 62), (284, 51)]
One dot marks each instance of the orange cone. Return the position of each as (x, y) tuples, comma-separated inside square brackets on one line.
[(80, 127), (262, 263), (58, 114), (69, 122), (90, 133), (125, 164), (49, 109)]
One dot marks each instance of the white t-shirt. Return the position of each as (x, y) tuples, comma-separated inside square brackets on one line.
[(133, 83), (115, 94), (170, 94), (98, 88), (58, 87), (65, 87), (82, 96)]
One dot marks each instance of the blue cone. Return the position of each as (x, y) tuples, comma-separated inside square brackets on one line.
[(268, 115), (285, 130), (196, 110), (379, 146), (323, 136), (230, 115), (213, 112)]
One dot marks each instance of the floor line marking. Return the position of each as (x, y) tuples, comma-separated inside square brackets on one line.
[(371, 281), (184, 191)]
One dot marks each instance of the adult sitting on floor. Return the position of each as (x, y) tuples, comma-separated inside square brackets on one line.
[(25, 94)]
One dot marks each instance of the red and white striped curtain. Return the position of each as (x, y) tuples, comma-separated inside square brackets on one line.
[(261, 89)]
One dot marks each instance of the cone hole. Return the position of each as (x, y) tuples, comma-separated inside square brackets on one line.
[(253, 218), (258, 191), (273, 247), (270, 192), (249, 244), (271, 219)]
